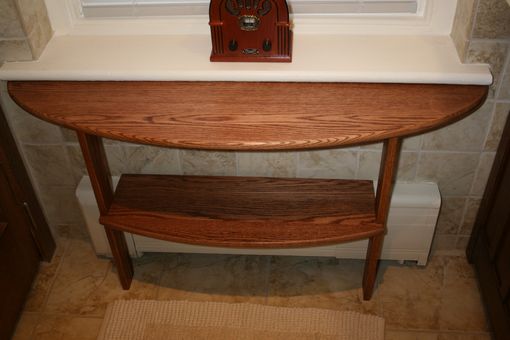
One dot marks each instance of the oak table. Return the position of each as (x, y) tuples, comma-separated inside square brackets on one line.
[(245, 211)]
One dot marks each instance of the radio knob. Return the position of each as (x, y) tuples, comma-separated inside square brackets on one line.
[(266, 45), (232, 45)]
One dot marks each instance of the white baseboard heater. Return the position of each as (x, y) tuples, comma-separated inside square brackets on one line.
[(411, 224)]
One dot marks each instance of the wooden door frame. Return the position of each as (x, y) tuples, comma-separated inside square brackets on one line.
[(14, 168), (478, 252), (489, 196)]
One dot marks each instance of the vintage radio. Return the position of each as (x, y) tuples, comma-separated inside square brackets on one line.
[(250, 30)]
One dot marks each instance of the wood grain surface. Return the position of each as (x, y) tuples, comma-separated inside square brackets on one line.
[(385, 184), (244, 211), (247, 116), (94, 155)]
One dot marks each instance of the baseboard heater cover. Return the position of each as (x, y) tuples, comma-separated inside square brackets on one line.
[(411, 225)]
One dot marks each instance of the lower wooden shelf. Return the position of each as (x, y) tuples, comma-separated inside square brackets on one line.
[(244, 211)]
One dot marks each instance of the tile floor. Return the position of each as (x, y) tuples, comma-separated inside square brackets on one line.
[(439, 302)]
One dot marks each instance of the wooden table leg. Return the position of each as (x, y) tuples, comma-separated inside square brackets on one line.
[(121, 257), (97, 166), (387, 173), (375, 244)]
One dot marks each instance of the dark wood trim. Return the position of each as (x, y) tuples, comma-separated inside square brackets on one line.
[(25, 237), (496, 309), (3, 227), (19, 261), (18, 179), (489, 245), (489, 197)]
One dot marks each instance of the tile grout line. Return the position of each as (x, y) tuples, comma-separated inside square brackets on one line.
[(298, 164), (236, 159), (297, 159), (462, 220), (476, 7), (490, 40), (37, 320), (179, 162), (358, 161), (57, 273), (504, 70), (48, 293), (418, 159), (161, 275), (476, 174), (437, 331), (268, 281), (489, 127), (74, 315)]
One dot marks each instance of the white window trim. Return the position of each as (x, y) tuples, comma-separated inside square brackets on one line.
[(410, 49), (154, 8), (434, 17)]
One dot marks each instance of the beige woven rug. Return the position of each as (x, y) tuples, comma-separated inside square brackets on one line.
[(158, 320)]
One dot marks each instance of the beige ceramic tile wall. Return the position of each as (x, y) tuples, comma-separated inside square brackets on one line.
[(463, 24), (24, 29), (481, 33), (458, 157)]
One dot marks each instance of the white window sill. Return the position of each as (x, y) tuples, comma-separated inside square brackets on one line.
[(335, 58)]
